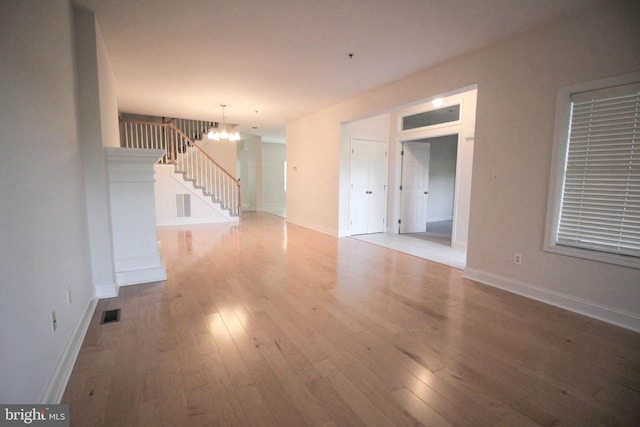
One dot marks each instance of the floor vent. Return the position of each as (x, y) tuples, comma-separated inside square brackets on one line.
[(110, 316)]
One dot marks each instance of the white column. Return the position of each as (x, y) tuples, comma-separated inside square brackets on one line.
[(133, 216)]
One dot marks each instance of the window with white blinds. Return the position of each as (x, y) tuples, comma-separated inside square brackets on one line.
[(600, 198)]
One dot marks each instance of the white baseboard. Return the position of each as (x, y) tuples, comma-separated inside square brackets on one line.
[(140, 269), (275, 210), (314, 227), (598, 311), (58, 382), (193, 221), (106, 291), (440, 218), (145, 275), (459, 245)]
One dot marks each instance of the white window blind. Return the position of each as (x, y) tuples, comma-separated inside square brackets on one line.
[(600, 206)]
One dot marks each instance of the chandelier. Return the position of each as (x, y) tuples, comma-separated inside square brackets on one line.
[(221, 132)]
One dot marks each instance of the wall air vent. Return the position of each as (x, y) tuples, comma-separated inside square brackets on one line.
[(183, 205)]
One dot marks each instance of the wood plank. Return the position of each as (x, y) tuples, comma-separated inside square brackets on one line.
[(307, 405), (418, 409), (220, 392), (358, 402), (245, 344), (276, 398), (236, 367), (268, 323)]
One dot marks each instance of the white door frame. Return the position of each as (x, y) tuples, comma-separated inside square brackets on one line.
[(453, 130), (450, 128)]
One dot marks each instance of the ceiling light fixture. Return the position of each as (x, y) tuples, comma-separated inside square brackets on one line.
[(437, 102), (221, 131)]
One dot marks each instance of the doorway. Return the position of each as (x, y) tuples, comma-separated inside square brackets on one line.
[(452, 116), (428, 183)]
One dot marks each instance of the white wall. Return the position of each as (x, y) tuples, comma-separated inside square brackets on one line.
[(442, 176), (273, 194), (91, 130), (108, 95), (517, 81), (312, 172), (249, 158), (43, 222), (223, 152)]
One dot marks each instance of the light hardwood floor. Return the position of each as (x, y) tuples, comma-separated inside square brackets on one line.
[(269, 324)]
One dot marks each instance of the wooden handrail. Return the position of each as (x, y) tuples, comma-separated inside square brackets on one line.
[(138, 134), (193, 144)]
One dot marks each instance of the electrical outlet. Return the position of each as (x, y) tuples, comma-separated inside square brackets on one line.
[(517, 258), (54, 322), (68, 296)]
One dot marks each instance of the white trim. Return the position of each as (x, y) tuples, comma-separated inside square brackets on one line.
[(106, 291), (314, 227), (425, 107), (133, 155), (557, 171), (626, 261), (59, 379), (426, 133), (191, 220), (141, 275), (592, 309)]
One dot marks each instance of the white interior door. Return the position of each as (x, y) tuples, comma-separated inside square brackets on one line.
[(368, 185), (377, 203), (358, 199), (415, 187)]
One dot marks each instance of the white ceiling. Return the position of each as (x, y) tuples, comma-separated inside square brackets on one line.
[(287, 58)]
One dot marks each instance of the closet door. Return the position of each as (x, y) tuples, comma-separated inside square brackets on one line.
[(377, 201), (368, 196)]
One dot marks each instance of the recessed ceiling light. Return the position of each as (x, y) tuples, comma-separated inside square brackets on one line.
[(437, 102)]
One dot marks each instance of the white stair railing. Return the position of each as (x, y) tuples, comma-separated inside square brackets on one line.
[(189, 159), (193, 128)]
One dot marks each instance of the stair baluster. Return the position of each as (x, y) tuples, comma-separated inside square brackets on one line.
[(187, 157)]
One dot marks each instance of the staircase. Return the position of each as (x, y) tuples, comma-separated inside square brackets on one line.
[(177, 138)]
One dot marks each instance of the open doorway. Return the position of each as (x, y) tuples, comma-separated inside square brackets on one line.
[(446, 123), (428, 182)]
